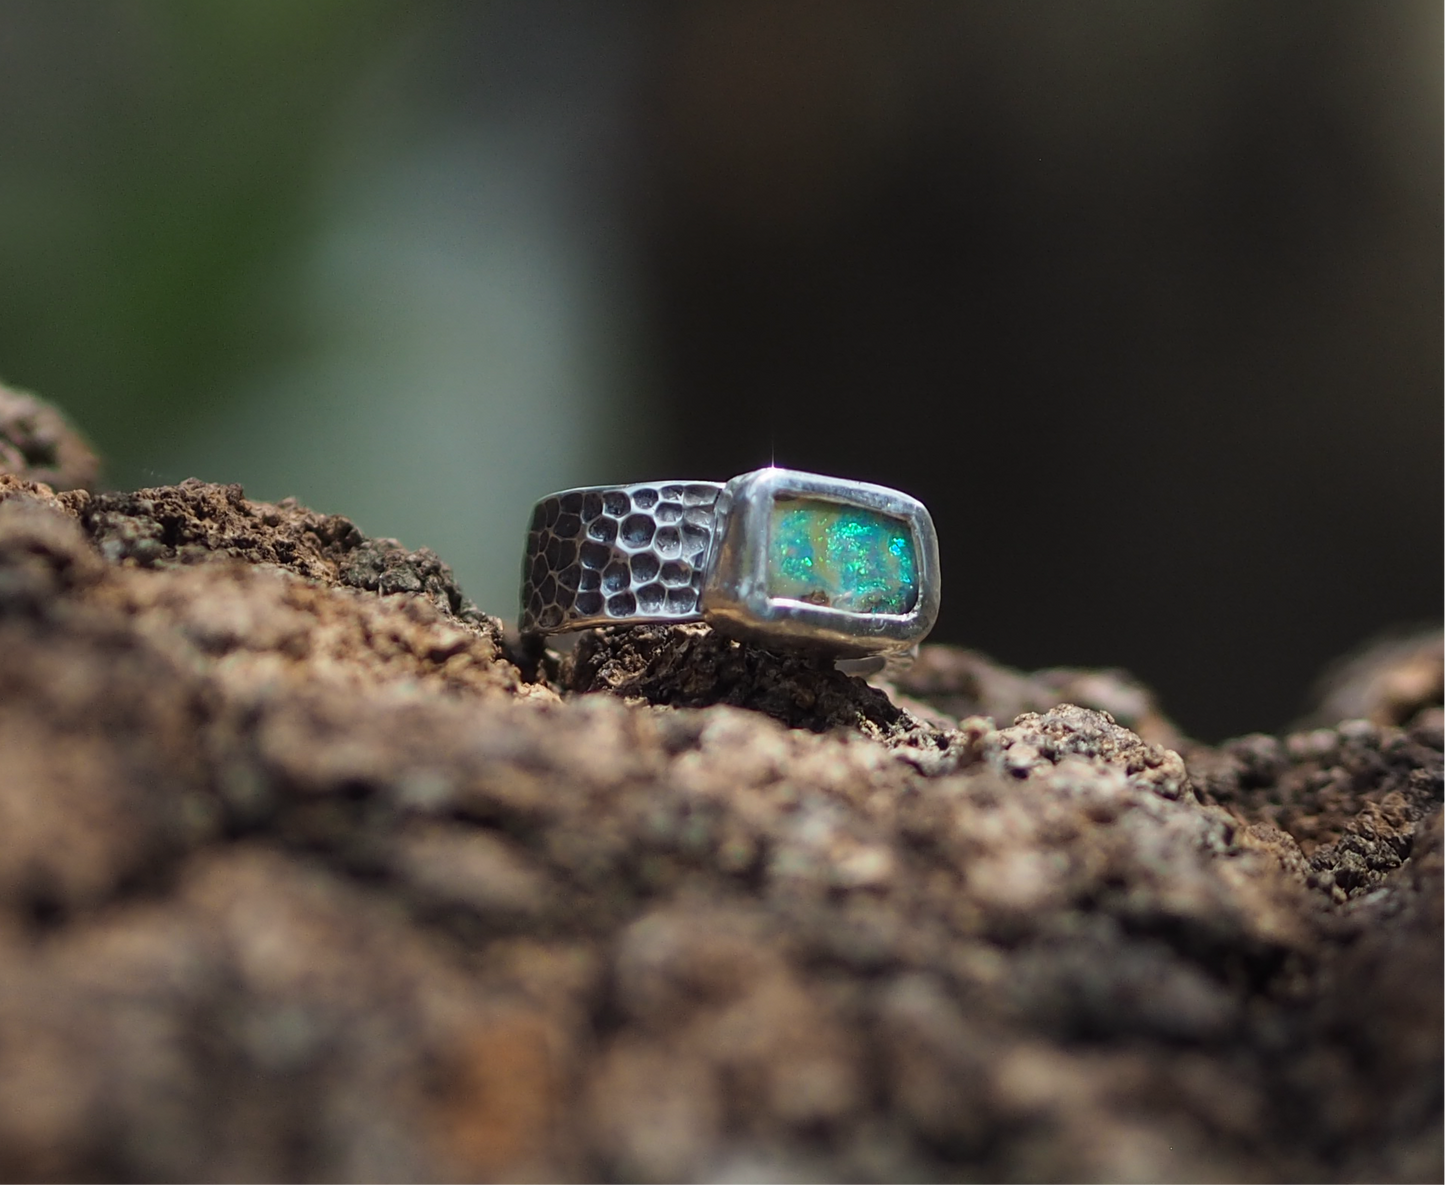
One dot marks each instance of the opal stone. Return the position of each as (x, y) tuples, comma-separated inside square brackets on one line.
[(845, 557)]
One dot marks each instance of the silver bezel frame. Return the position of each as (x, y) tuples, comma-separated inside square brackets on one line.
[(735, 597)]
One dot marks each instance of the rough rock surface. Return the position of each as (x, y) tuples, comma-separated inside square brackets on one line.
[(38, 443), (300, 878), (961, 683), (1390, 681), (1348, 799)]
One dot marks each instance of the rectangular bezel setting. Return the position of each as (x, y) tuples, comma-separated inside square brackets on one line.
[(806, 561)]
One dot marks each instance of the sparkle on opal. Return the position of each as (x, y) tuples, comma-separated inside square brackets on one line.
[(845, 557)]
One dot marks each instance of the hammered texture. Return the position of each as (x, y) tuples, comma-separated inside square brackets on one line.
[(617, 554)]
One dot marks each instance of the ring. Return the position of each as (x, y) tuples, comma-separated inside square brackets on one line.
[(777, 557)]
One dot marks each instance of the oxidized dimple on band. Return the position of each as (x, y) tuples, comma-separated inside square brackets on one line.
[(775, 556)]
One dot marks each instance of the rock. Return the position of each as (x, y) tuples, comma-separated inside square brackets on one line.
[(962, 683), (196, 521), (302, 878), (38, 444), (1348, 799), (1389, 681), (691, 666)]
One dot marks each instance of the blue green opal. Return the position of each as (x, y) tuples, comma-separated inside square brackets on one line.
[(845, 557)]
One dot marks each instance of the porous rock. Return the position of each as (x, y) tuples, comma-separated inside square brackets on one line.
[(301, 879), (960, 683), (1390, 680), (37, 443), (692, 666), (1349, 799)]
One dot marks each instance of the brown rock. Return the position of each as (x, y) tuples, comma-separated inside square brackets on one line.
[(38, 444), (301, 879), (962, 683), (196, 521), (1389, 681), (1350, 797), (691, 666)]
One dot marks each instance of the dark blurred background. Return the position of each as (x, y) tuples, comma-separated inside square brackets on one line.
[(1143, 300)]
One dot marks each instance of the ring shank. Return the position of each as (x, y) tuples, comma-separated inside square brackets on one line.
[(618, 555)]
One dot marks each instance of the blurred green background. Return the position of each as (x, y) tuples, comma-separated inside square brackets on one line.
[(1142, 299)]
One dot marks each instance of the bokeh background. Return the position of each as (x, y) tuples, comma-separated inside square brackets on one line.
[(1143, 299)]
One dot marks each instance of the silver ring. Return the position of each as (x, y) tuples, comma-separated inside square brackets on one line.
[(775, 556)]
